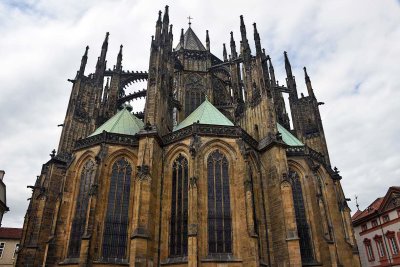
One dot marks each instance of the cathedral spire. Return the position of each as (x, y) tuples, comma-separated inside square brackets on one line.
[(233, 47), (158, 28), (308, 83), (288, 67), (207, 41), (245, 42), (291, 83), (101, 61), (83, 62), (119, 59), (182, 39), (224, 53), (271, 71), (257, 40), (165, 23)]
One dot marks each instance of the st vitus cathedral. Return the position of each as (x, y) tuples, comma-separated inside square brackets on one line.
[(210, 174)]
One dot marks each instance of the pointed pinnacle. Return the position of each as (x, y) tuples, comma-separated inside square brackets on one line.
[(305, 74), (159, 17), (105, 43)]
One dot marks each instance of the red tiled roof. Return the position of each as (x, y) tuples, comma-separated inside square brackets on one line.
[(10, 233), (371, 209)]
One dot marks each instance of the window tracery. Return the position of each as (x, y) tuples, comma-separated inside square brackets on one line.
[(194, 93), (78, 223), (303, 229), (219, 211), (178, 245), (115, 234)]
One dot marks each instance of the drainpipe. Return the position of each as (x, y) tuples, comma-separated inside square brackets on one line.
[(384, 240)]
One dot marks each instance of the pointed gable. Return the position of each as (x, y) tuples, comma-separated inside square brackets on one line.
[(124, 122), (391, 199), (206, 113), (191, 41)]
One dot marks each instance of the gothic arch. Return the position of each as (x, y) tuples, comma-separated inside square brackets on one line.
[(211, 145), (83, 181), (116, 219), (174, 151), (110, 159), (296, 177)]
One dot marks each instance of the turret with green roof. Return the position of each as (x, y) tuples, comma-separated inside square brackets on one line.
[(206, 113), (124, 122)]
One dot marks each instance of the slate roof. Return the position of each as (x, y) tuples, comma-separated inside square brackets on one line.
[(288, 137), (191, 41), (124, 122), (10, 233), (206, 113)]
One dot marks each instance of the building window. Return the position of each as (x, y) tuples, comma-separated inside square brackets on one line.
[(368, 248), (374, 223), (79, 221), (2, 247), (178, 245), (195, 94), (219, 210), (364, 227), (393, 242), (379, 246), (386, 218), (306, 250), (15, 250), (115, 235)]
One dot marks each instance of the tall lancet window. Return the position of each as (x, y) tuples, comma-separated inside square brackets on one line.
[(195, 93), (115, 235), (219, 208), (306, 250), (178, 244), (78, 223)]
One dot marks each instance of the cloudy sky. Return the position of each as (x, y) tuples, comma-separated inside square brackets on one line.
[(351, 50)]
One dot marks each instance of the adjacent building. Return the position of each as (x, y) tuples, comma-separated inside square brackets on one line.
[(210, 174), (377, 230), (9, 245), (3, 202)]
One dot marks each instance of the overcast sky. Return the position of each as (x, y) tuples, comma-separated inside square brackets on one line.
[(351, 50)]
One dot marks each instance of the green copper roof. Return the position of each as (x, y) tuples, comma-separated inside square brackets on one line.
[(206, 113), (123, 122), (288, 138)]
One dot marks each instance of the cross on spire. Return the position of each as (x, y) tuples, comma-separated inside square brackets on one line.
[(189, 18)]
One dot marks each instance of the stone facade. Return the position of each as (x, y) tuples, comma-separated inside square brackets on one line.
[(284, 205)]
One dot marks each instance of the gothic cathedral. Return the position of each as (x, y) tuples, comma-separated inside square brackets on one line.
[(209, 174)]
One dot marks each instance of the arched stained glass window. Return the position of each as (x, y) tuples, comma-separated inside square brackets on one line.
[(219, 208), (194, 94), (78, 223), (115, 235), (306, 250), (178, 245)]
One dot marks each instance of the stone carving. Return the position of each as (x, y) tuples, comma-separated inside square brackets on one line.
[(195, 144), (193, 181), (192, 229), (143, 173)]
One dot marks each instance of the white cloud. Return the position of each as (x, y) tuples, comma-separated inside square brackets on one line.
[(344, 45)]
